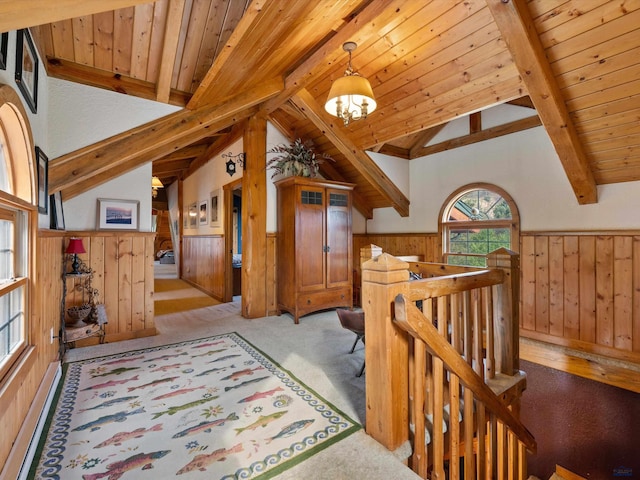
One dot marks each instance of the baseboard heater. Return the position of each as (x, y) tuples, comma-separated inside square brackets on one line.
[(42, 418)]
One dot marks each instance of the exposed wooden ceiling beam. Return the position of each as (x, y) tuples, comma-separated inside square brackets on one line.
[(170, 168), (74, 72), (424, 138), (89, 166), (17, 14), (192, 151), (514, 21), (360, 160), (169, 50), (480, 136)]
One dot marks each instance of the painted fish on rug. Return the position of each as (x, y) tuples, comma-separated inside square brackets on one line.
[(210, 352), (226, 389), (118, 469), (166, 357), (169, 367), (213, 370), (123, 360), (110, 383), (226, 357), (240, 373), (212, 344), (117, 371), (151, 384), (262, 421), (201, 462), (291, 429), (179, 408), (102, 421), (206, 426), (121, 437), (175, 393), (260, 395), (109, 403)]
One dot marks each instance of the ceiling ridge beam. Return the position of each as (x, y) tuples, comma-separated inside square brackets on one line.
[(518, 31), (365, 166), (480, 136), (153, 140)]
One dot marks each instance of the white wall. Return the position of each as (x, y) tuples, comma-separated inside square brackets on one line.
[(80, 115), (526, 166)]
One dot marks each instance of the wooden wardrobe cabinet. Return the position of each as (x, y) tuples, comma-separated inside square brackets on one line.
[(314, 246)]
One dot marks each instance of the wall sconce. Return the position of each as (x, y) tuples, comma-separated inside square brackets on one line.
[(351, 96), (234, 161), (74, 248), (155, 185)]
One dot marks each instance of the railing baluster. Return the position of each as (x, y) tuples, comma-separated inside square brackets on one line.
[(454, 425), (476, 319), (487, 302), (481, 454), (420, 457), (469, 433)]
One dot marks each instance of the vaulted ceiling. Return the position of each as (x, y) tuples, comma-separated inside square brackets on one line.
[(429, 62)]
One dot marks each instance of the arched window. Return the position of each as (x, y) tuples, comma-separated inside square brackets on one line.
[(17, 199), (475, 220)]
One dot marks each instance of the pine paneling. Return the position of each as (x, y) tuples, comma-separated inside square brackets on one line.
[(203, 263), (582, 287)]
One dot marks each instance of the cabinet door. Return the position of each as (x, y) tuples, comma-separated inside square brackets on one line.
[(310, 239), (339, 263)]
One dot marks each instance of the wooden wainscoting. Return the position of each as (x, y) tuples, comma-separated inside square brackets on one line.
[(203, 263), (426, 245), (583, 290), (122, 264)]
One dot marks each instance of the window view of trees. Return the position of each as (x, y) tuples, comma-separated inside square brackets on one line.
[(477, 222)]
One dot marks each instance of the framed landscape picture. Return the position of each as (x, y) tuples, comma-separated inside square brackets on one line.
[(193, 215), (202, 213), (27, 69), (4, 42), (117, 214), (216, 204)]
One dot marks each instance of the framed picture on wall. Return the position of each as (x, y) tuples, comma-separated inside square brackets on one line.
[(193, 215), (202, 213), (4, 42), (43, 179), (216, 205), (117, 214), (27, 69), (56, 215), (185, 218)]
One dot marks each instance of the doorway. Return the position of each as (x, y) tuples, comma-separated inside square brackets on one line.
[(233, 240)]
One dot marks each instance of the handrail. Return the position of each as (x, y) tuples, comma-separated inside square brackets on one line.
[(410, 319), (455, 283)]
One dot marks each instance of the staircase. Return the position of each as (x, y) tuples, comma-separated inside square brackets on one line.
[(442, 366)]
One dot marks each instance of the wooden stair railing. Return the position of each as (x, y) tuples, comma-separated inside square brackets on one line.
[(493, 445), (475, 311)]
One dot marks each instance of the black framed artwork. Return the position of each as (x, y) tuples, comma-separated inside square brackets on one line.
[(56, 217), (4, 41), (27, 69), (43, 180)]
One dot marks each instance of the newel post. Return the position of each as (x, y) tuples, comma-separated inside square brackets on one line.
[(386, 352), (506, 308)]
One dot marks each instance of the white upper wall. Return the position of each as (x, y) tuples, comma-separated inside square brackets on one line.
[(80, 115), (524, 164)]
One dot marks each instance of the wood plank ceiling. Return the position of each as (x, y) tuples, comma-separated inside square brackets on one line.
[(576, 62)]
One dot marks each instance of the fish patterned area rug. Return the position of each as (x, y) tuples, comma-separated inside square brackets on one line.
[(213, 408)]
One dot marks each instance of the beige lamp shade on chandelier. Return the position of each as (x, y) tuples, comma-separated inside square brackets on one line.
[(351, 97)]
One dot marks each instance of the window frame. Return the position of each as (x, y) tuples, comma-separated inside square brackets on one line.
[(445, 226), (18, 203)]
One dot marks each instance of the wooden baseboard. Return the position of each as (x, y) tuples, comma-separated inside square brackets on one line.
[(21, 446), (613, 372)]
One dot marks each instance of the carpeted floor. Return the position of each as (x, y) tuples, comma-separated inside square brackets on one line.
[(316, 352)]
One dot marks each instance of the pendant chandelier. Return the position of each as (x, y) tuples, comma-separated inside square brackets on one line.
[(351, 96)]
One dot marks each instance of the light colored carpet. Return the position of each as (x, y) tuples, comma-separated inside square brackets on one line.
[(316, 351)]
